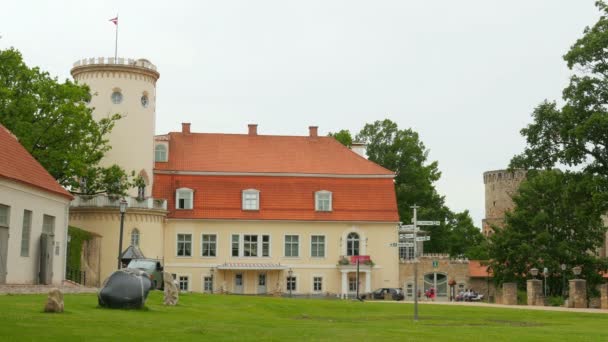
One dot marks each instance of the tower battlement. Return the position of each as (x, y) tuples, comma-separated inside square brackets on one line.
[(101, 66), (142, 63), (503, 175)]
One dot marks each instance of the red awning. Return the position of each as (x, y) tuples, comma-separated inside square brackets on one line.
[(256, 266)]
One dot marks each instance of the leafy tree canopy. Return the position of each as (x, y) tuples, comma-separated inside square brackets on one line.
[(556, 220), (55, 125), (343, 136)]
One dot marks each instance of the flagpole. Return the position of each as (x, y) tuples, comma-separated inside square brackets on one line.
[(116, 42)]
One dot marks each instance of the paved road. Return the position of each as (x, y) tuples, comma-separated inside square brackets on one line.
[(522, 307)]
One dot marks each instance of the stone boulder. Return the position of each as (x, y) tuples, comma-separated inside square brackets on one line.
[(125, 289), (54, 302), (171, 292)]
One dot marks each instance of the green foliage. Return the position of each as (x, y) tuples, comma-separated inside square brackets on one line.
[(555, 301), (464, 238), (522, 297), (54, 124), (576, 133), (556, 220), (77, 237), (343, 136)]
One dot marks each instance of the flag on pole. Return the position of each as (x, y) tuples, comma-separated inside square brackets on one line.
[(114, 20)]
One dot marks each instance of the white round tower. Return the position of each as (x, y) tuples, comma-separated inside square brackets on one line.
[(127, 87)]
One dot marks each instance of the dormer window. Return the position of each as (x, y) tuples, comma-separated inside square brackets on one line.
[(323, 200), (184, 198), (251, 199), (160, 153)]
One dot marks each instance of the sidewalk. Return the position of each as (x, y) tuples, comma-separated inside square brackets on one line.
[(502, 306)]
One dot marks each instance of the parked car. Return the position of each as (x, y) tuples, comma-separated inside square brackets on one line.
[(153, 268), (395, 293)]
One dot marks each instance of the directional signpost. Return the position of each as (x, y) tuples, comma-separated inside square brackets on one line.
[(411, 234)]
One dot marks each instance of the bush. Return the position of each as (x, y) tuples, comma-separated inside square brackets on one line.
[(522, 297), (555, 301)]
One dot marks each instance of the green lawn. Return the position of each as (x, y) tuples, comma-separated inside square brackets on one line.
[(207, 317)]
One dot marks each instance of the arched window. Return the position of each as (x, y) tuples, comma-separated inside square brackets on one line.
[(135, 237), (160, 153), (352, 244)]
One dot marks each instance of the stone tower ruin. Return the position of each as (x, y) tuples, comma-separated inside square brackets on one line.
[(500, 186)]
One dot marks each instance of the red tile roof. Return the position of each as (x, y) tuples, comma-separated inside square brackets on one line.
[(264, 154), (478, 269), (18, 165), (281, 198)]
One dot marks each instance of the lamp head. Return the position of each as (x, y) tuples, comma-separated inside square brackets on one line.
[(534, 271), (123, 206)]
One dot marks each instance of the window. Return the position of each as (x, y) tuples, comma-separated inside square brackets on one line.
[(352, 244), (183, 198), (208, 284), (317, 284), (265, 245), (292, 245), (352, 283), (251, 199), (184, 283), (144, 101), (25, 233), (209, 245), (406, 253), (116, 97), (317, 246), (409, 290), (323, 200), (291, 284), (48, 224), (135, 237), (250, 245), (235, 245), (160, 153), (184, 245), (4, 214)]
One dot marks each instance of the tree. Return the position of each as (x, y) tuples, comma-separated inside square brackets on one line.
[(576, 133), (401, 151), (556, 220), (343, 136), (464, 238), (55, 125)]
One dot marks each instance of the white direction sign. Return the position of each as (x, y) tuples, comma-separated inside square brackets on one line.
[(401, 244), (406, 228), (428, 223), (406, 236), (423, 238)]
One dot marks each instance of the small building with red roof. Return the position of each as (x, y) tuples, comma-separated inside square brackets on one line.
[(33, 218)]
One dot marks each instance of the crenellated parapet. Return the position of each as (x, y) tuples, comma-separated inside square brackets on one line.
[(106, 67)]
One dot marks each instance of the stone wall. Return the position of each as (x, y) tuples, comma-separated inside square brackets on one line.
[(509, 294), (578, 293), (534, 289)]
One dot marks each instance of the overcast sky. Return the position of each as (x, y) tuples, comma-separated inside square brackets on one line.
[(464, 74)]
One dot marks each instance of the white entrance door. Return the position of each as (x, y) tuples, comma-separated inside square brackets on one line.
[(238, 283), (261, 283), (437, 281)]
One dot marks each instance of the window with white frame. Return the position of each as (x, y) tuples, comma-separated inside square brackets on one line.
[(352, 283), (160, 153), (235, 242), (317, 246), (323, 200), (48, 224), (135, 237), (265, 245), (4, 215), (291, 283), (25, 233), (317, 284), (184, 245), (208, 284), (251, 199), (209, 245), (184, 198), (352, 244), (406, 253), (184, 283), (250, 245), (292, 244)]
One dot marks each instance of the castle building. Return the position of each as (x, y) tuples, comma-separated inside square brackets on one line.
[(238, 213), (500, 186)]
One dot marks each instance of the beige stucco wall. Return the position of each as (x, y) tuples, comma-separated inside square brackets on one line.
[(20, 197), (106, 223), (132, 139), (375, 238)]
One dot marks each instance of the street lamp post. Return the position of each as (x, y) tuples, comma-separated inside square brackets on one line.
[(211, 272), (563, 267), (290, 281), (123, 209), (545, 274)]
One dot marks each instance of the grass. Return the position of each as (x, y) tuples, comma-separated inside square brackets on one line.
[(217, 317)]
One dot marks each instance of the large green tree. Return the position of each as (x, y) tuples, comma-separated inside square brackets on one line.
[(402, 151), (54, 123), (575, 133)]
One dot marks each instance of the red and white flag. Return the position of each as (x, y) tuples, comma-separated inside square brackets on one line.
[(115, 21)]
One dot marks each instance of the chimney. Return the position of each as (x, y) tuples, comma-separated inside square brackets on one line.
[(313, 131), (253, 129), (185, 127)]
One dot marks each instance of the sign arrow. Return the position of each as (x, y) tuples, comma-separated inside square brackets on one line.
[(428, 223), (401, 244), (423, 238), (406, 236)]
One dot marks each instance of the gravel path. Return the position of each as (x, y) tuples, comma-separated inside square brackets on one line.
[(36, 289)]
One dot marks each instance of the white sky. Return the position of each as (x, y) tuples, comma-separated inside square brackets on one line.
[(464, 74)]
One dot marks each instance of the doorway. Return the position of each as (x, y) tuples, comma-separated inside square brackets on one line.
[(261, 283), (238, 283), (438, 281)]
